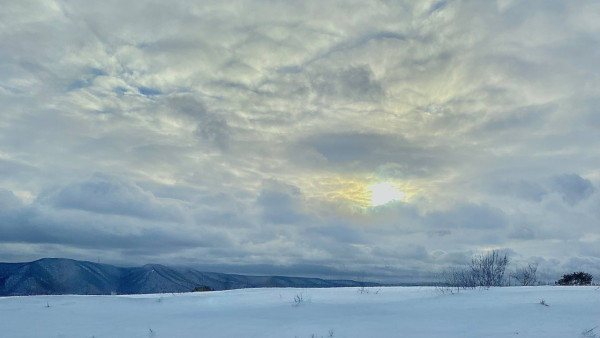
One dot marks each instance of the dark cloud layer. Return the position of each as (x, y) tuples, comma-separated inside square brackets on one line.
[(107, 195), (573, 188), (356, 151), (246, 136)]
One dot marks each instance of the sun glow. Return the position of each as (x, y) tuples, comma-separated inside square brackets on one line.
[(384, 193), (359, 194)]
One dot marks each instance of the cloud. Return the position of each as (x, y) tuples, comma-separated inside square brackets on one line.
[(215, 132), (234, 132), (188, 106), (351, 151), (527, 190), (210, 127), (147, 91), (100, 215), (351, 84), (523, 232), (11, 168), (573, 188), (8, 200), (469, 216), (340, 233), (281, 203), (407, 252), (108, 195)]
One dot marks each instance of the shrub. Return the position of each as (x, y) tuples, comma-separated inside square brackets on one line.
[(526, 276), (488, 270), (457, 279), (202, 288), (575, 278), (298, 299), (485, 270), (589, 333)]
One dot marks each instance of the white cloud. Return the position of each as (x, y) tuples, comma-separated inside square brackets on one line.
[(224, 121)]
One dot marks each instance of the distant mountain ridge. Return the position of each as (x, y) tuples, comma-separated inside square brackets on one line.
[(57, 276)]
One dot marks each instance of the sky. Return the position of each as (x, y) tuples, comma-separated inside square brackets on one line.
[(384, 140)]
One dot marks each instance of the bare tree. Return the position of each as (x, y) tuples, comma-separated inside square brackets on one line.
[(526, 276), (488, 270), (460, 278), (485, 270), (453, 280)]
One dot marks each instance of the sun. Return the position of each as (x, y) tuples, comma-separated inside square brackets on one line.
[(384, 193)]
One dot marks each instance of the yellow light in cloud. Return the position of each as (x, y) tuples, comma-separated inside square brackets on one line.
[(344, 190), (384, 193), (356, 194)]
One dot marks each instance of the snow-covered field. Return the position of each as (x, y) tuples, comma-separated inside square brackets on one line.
[(343, 312)]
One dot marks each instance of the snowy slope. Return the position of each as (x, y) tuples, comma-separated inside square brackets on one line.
[(342, 312)]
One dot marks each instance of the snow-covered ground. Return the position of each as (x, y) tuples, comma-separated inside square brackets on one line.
[(343, 312)]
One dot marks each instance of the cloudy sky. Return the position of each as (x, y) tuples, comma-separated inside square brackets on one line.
[(386, 139)]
